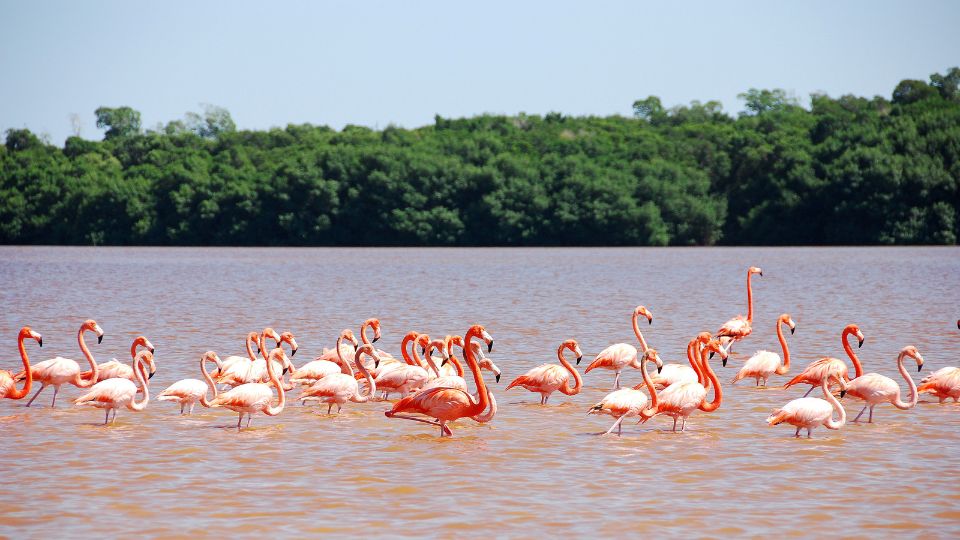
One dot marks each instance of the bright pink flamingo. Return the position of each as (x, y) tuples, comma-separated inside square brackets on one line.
[(319, 368), (242, 372), (763, 364), (340, 388), (483, 361), (254, 397), (679, 373), (114, 369), (627, 402), (680, 400), (187, 392), (448, 404), (406, 377), (8, 388), (739, 327), (874, 388), (821, 369), (621, 355), (59, 370), (546, 379), (112, 394), (808, 412)]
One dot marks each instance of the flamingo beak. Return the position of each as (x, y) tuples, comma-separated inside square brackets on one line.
[(152, 350), (376, 362), (444, 361), (152, 373), (490, 346), (579, 358), (293, 352), (724, 362), (423, 351), (375, 338), (843, 393), (650, 321), (40, 341), (792, 330), (761, 273), (100, 339), (919, 367), (659, 369), (498, 377), (711, 354), (859, 343)]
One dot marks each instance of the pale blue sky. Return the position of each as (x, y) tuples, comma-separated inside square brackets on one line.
[(377, 63)]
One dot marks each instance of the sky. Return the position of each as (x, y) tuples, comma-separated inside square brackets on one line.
[(380, 63)]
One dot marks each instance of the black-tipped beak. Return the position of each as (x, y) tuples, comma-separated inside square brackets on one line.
[(375, 338), (859, 343), (490, 346), (761, 274), (100, 339), (659, 369), (258, 350), (579, 358), (423, 351), (152, 373), (293, 352), (152, 350), (444, 362), (711, 354), (919, 368), (285, 370), (40, 341), (843, 393), (376, 363), (498, 377), (792, 330), (724, 362), (649, 321)]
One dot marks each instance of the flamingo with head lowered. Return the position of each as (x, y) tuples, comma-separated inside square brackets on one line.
[(8, 387), (680, 400), (627, 402), (116, 369), (943, 383), (739, 327), (254, 397), (874, 388), (187, 392), (621, 355)]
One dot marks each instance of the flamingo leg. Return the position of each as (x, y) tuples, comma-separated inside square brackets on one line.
[(808, 433), (864, 409), (674, 424), (249, 418), (797, 434), (56, 390), (808, 391), (192, 405), (42, 386), (683, 423), (758, 382), (106, 418), (329, 408), (114, 421), (616, 382), (239, 420), (870, 418), (617, 424), (181, 408)]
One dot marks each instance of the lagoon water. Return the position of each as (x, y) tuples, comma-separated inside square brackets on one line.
[(534, 470)]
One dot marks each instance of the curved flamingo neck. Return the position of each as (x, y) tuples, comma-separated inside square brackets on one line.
[(785, 367), (749, 298), (636, 330), (483, 400), (691, 352), (830, 424), (416, 356), (209, 380), (430, 363), (404, 343), (456, 364), (363, 332), (371, 384), (577, 381), (488, 416), (345, 367), (914, 396), (271, 410), (717, 391), (133, 346), (19, 394), (654, 400), (94, 370), (849, 350), (138, 372), (252, 337)]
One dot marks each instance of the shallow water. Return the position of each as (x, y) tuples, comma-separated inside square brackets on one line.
[(534, 470)]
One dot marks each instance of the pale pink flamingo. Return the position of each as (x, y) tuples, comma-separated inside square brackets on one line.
[(319, 368), (448, 404), (483, 361), (252, 340), (406, 377), (387, 360), (8, 388), (821, 369), (763, 364), (59, 370), (621, 355), (943, 383), (440, 380), (114, 369), (112, 394), (348, 343), (242, 372), (808, 412), (739, 327), (874, 388), (678, 401), (627, 402), (340, 388), (546, 379), (258, 369), (254, 397), (187, 392), (679, 373)]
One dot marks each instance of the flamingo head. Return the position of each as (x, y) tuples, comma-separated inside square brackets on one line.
[(486, 363), (478, 330), (269, 333), (423, 340), (652, 354), (785, 318), (640, 310), (347, 334), (142, 341), (211, 356), (855, 330), (369, 350), (27, 332), (834, 378), (374, 323), (755, 270), (573, 346), (287, 337), (438, 344), (713, 346), (91, 325), (912, 352), (146, 357)]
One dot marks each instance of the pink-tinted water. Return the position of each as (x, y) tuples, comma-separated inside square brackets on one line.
[(534, 470)]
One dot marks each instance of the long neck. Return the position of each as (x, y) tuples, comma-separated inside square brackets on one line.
[(363, 333), (420, 361), (133, 348), (654, 400), (94, 371), (403, 350), (577, 381), (210, 385), (853, 356), (271, 410), (717, 392), (691, 352), (910, 384), (749, 299), (253, 337), (491, 412), (636, 330), (783, 369), (371, 385), (830, 424), (138, 371), (430, 363), (345, 367), (483, 400), (456, 364), (19, 394)]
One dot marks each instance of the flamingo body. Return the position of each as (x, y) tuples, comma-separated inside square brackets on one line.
[(403, 379), (943, 383), (760, 366), (674, 374), (312, 372), (186, 392)]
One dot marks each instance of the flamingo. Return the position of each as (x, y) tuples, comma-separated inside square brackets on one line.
[(258, 369), (242, 372), (739, 327), (680, 400), (763, 364), (440, 380), (620, 355), (821, 369), (387, 360), (253, 397), (943, 383), (116, 369), (331, 355), (548, 378), (483, 361), (8, 388), (112, 394), (320, 367), (253, 339), (447, 404), (406, 377), (874, 388), (59, 370), (340, 388), (808, 412), (187, 392), (627, 402), (679, 373)]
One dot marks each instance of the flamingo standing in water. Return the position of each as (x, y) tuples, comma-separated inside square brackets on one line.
[(112, 394), (249, 398), (349, 345), (823, 368), (340, 388), (406, 377), (545, 379), (943, 383), (320, 367), (448, 404), (187, 392), (679, 373), (387, 360), (483, 361), (621, 355), (808, 412), (763, 364), (874, 388), (739, 327), (253, 339), (258, 369), (8, 388), (627, 402), (59, 370), (114, 369), (241, 372), (680, 400)]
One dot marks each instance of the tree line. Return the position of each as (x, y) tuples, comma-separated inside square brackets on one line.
[(848, 170)]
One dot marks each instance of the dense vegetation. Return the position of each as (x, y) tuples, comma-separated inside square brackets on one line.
[(849, 170)]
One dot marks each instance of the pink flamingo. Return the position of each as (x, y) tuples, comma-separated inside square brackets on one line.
[(242, 372), (187, 392), (114, 369), (340, 388), (112, 394), (483, 361), (387, 360), (739, 327), (8, 388), (679, 373), (254, 397), (406, 377), (258, 369), (874, 388), (808, 412), (943, 383), (331, 355), (448, 404), (440, 380), (59, 370), (319, 368), (680, 400), (763, 364), (545, 379), (627, 402), (821, 369), (621, 355), (252, 340)]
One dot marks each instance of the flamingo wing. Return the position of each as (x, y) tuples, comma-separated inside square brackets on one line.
[(108, 393), (184, 389), (614, 357)]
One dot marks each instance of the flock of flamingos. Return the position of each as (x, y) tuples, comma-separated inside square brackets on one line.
[(433, 390)]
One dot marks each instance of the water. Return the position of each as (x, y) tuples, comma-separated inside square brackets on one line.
[(534, 470)]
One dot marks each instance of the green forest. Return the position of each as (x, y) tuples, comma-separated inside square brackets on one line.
[(846, 170)]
